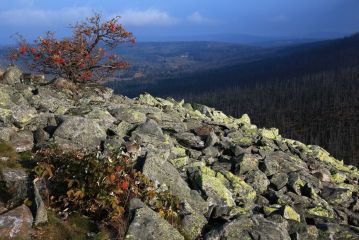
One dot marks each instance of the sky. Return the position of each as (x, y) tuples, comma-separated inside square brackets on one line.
[(161, 20)]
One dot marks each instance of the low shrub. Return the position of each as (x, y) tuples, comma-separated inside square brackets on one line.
[(100, 187)]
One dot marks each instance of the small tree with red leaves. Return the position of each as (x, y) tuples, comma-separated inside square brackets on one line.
[(85, 57)]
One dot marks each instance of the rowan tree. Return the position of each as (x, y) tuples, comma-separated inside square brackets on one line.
[(87, 56)]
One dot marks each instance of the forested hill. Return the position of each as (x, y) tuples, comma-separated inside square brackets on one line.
[(310, 91)]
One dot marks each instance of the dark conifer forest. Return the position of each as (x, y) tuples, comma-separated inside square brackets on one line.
[(309, 91)]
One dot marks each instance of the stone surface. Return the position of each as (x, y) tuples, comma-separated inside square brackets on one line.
[(79, 132), (16, 224), (12, 75), (189, 140), (41, 212), (233, 179), (147, 224), (279, 180), (22, 141), (14, 186)]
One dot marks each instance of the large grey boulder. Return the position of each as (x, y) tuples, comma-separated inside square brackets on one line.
[(189, 140), (127, 114), (14, 108), (22, 141), (13, 186), (12, 75), (51, 100), (148, 225), (149, 132), (255, 227), (79, 132), (158, 169), (16, 224)]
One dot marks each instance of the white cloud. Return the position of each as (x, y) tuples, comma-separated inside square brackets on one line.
[(39, 17), (148, 17), (197, 18)]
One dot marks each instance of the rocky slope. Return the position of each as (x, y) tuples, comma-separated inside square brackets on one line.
[(235, 181)]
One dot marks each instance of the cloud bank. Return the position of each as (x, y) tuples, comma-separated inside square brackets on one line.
[(148, 17), (197, 18), (39, 17)]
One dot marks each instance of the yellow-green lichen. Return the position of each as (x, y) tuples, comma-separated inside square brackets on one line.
[(148, 99), (268, 210), (272, 133), (244, 119), (338, 178), (180, 162), (179, 151), (167, 139), (321, 212), (192, 223), (324, 156), (5, 99), (242, 190), (290, 214), (237, 211), (211, 183), (61, 110)]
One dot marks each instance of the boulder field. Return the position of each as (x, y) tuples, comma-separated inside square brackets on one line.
[(235, 181)]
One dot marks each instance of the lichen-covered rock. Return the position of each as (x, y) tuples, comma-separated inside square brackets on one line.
[(16, 224), (102, 117), (41, 212), (47, 99), (79, 132), (189, 140), (147, 224), (128, 115), (6, 133), (225, 172), (13, 186), (239, 138), (22, 141), (337, 196), (290, 214), (12, 75), (149, 132), (215, 189), (321, 211), (246, 163), (158, 169), (256, 227), (258, 180), (269, 166), (242, 192), (192, 223), (279, 180), (272, 133)]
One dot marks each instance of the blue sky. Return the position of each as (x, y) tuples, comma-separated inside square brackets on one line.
[(187, 19)]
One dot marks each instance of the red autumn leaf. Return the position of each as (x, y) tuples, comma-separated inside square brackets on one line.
[(112, 178), (45, 42), (124, 185), (22, 50), (57, 59), (33, 50), (112, 27), (118, 168), (37, 57)]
